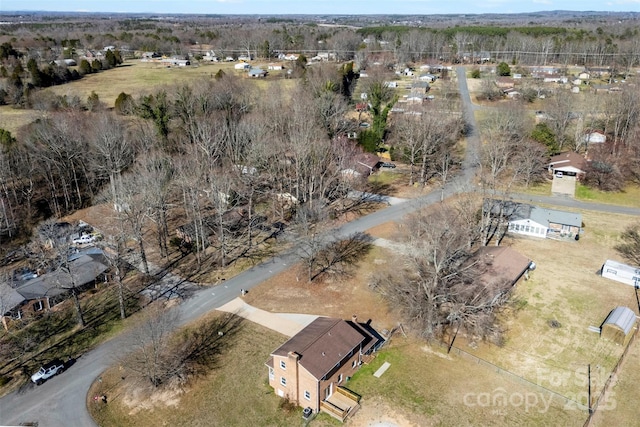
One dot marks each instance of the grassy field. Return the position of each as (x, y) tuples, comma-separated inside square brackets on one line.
[(565, 288), (134, 78), (432, 389)]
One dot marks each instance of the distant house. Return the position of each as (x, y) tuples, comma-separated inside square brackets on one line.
[(420, 86), (619, 325), (533, 221), (569, 164), (555, 78), (427, 77), (622, 273), (67, 62), (275, 67), (242, 66), (210, 56), (257, 73), (150, 55), (511, 93), (505, 82), (595, 137), (311, 368), (416, 98), (179, 62), (391, 84)]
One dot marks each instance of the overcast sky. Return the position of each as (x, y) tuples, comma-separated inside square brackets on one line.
[(423, 7)]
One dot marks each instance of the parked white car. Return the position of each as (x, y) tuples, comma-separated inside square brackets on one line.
[(85, 239)]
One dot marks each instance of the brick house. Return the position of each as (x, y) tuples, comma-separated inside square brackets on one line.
[(311, 368)]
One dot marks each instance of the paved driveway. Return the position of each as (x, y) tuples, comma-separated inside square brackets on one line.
[(287, 324), (565, 186)]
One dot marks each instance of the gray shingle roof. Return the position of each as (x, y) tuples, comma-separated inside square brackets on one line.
[(549, 216), (84, 269), (9, 298)]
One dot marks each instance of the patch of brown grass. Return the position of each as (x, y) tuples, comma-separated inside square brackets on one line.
[(235, 394)]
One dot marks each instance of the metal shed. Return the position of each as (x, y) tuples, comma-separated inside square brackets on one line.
[(619, 325)]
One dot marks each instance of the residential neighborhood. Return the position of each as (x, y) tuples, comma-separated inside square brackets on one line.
[(362, 220)]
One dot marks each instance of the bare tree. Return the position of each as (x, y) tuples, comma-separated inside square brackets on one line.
[(112, 151), (630, 246), (438, 288), (151, 345)]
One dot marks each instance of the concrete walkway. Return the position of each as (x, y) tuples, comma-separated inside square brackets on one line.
[(287, 324)]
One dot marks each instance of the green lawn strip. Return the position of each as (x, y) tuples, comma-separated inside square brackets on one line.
[(629, 196)]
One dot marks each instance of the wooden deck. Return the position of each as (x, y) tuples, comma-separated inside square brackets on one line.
[(341, 404)]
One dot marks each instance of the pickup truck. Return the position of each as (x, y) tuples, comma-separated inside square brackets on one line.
[(47, 371)]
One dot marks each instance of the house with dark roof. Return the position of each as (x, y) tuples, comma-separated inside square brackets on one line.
[(311, 368), (47, 290), (569, 164), (502, 262)]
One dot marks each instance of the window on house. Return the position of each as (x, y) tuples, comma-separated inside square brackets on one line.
[(354, 363), (307, 395), (283, 365), (271, 374), (340, 378), (37, 306), (283, 381)]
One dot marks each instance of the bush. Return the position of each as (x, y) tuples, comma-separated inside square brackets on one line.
[(475, 73)]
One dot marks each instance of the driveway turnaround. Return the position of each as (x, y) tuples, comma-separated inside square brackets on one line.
[(287, 324)]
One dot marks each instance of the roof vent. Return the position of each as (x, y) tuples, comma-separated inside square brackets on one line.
[(323, 353)]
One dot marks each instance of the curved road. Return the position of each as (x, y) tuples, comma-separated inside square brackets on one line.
[(60, 402)]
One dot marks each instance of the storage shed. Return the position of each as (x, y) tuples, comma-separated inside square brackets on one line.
[(619, 326), (621, 273)]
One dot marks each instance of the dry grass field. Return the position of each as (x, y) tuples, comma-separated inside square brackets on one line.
[(135, 78), (565, 288)]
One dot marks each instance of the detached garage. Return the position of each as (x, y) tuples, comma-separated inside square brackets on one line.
[(619, 326)]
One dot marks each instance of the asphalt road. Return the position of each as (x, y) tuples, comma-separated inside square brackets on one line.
[(60, 402)]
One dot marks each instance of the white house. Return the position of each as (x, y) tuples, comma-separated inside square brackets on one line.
[(275, 67), (621, 273), (427, 77), (534, 221), (540, 222), (595, 137), (242, 66)]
